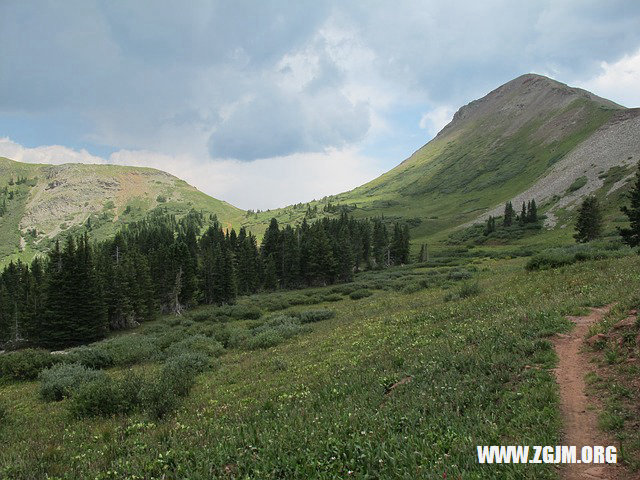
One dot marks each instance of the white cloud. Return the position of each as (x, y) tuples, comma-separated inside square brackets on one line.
[(54, 154), (618, 81), (435, 120), (262, 184)]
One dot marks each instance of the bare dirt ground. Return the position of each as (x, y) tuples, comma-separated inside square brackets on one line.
[(580, 415)]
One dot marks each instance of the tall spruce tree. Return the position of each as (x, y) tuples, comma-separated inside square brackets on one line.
[(509, 214), (532, 212), (589, 223), (522, 219)]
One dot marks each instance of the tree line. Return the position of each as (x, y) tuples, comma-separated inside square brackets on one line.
[(81, 290)]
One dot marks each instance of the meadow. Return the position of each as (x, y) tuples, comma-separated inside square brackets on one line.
[(399, 374)]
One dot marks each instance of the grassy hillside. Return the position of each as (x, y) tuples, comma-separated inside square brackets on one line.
[(530, 134), (403, 383), (59, 199)]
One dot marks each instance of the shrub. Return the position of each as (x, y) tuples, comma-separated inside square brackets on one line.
[(457, 275), (275, 303), (178, 374), (26, 364), (264, 339), (577, 184), (104, 396), (331, 297), (167, 338), (550, 259), (469, 289), (195, 344), (157, 399), (60, 381), (412, 287), (345, 289), (315, 315), (276, 330), (96, 398), (4, 413), (201, 316), (127, 349), (358, 294), (90, 357), (127, 391)]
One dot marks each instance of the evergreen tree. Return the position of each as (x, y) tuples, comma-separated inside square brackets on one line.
[(532, 212), (270, 276), (290, 257), (522, 219), (491, 225), (589, 223), (509, 214), (631, 235), (380, 243)]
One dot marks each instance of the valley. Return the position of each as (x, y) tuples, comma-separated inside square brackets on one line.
[(383, 332)]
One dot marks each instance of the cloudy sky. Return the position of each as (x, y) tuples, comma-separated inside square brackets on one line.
[(267, 103)]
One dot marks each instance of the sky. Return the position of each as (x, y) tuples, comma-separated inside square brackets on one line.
[(269, 103)]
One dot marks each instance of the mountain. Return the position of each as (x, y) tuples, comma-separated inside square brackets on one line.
[(531, 138), (43, 201)]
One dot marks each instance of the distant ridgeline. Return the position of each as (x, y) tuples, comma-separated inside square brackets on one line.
[(83, 290)]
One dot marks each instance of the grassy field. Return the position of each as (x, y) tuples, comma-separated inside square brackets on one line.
[(416, 366)]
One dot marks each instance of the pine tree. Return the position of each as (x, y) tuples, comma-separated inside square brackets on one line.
[(631, 235), (532, 212), (509, 213), (491, 225), (589, 223), (270, 276), (380, 243), (522, 219)]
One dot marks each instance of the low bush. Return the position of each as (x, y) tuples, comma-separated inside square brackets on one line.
[(90, 357), (558, 257), (26, 364), (157, 399), (179, 372), (550, 259), (96, 398), (4, 413), (310, 316), (61, 380), (276, 303), (331, 297), (276, 330), (105, 396), (412, 287), (128, 349), (127, 390), (358, 294), (195, 344)]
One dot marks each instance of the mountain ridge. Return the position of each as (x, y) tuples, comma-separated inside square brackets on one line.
[(56, 199)]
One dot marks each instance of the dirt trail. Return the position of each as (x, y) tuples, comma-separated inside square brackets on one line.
[(580, 422)]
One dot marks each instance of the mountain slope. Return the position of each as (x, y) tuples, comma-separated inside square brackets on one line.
[(52, 199), (532, 137)]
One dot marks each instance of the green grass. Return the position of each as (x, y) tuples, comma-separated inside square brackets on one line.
[(314, 405)]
